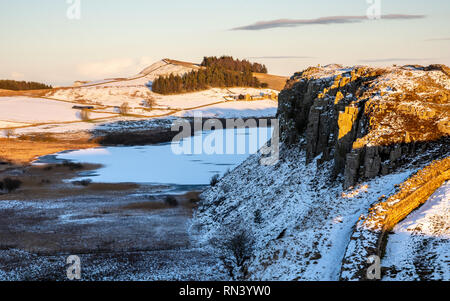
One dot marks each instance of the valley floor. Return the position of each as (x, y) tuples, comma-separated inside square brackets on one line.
[(120, 231)]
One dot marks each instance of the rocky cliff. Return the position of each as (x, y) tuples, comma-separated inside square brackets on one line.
[(367, 120), (349, 138)]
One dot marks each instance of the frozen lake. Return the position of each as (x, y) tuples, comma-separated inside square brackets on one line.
[(191, 161)]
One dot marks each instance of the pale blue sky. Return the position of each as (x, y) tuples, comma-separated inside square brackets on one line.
[(39, 42)]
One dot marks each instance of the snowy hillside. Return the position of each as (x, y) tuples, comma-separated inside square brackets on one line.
[(56, 111), (305, 222), (348, 140)]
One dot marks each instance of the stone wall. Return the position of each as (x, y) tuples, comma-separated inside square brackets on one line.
[(370, 235)]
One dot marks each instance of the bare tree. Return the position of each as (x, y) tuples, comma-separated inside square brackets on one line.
[(235, 247), (149, 102), (8, 133), (124, 108)]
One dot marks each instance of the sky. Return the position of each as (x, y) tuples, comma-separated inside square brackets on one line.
[(44, 40)]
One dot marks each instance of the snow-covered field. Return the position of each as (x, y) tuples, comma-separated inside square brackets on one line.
[(114, 241), (235, 109), (39, 110), (134, 96), (106, 96), (419, 249)]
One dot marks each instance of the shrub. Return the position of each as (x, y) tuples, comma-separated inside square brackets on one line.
[(124, 108), (72, 166), (8, 133), (235, 248), (11, 184), (171, 201), (257, 216), (85, 182), (214, 180), (149, 102)]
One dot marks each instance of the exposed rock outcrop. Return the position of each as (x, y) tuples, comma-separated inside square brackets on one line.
[(365, 119), (353, 124)]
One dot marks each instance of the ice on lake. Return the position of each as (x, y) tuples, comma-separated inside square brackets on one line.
[(190, 161)]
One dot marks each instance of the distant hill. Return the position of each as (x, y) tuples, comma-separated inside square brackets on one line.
[(167, 66), (216, 72)]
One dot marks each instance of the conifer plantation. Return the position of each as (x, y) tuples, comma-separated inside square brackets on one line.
[(228, 62), (217, 72), (22, 85)]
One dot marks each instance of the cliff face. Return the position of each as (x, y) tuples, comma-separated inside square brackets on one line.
[(370, 129), (366, 120)]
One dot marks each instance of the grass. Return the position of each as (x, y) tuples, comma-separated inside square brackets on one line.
[(275, 82), (25, 151)]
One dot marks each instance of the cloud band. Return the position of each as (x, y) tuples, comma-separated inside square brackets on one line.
[(280, 23)]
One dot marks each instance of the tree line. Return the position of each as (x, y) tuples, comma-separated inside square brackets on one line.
[(216, 72), (22, 85), (198, 80), (228, 62)]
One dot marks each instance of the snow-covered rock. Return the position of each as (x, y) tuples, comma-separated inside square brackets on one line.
[(348, 139)]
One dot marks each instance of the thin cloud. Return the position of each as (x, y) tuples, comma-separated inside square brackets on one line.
[(114, 67), (280, 57), (387, 60), (17, 75), (280, 23), (437, 39)]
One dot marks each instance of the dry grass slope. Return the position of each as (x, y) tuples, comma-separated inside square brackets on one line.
[(275, 82), (24, 151)]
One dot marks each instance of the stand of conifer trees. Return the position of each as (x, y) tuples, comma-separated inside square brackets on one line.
[(222, 72), (228, 62), (22, 85)]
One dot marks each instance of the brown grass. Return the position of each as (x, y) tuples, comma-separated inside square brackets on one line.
[(147, 206), (112, 186), (30, 93), (24, 151), (181, 63), (188, 200), (275, 82)]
